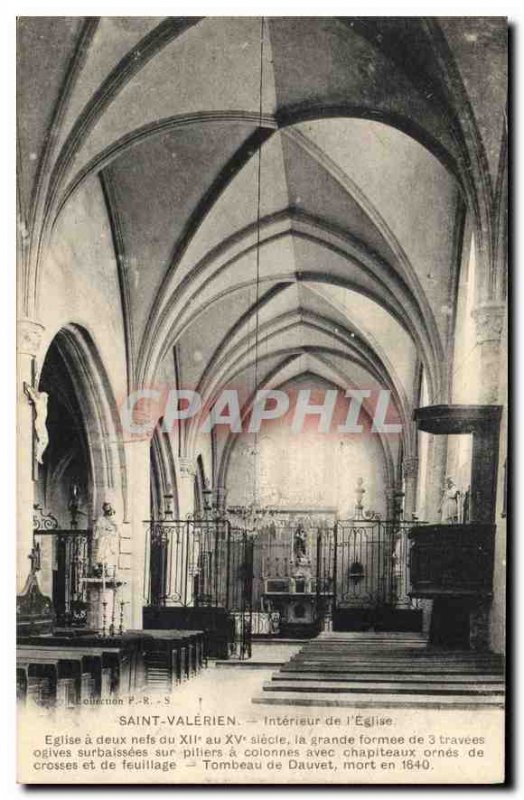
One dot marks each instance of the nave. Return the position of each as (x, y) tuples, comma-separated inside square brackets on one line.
[(262, 369)]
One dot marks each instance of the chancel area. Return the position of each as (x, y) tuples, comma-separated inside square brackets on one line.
[(262, 378)]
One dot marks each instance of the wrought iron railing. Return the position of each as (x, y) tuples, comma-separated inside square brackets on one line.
[(201, 563), (196, 562), (371, 562), (70, 556), (362, 561)]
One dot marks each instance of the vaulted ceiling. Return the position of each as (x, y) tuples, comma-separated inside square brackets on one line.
[(307, 178)]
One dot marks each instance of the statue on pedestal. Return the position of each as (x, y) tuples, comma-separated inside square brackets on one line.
[(449, 509), (106, 539), (103, 583)]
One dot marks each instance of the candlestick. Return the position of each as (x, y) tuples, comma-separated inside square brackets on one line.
[(121, 626), (104, 605)]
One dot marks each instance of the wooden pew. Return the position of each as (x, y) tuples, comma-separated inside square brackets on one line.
[(171, 656), (69, 669), (86, 670)]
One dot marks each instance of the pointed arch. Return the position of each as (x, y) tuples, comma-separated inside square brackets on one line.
[(99, 413)]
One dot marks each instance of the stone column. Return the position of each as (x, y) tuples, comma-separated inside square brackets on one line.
[(138, 460), (391, 499), (489, 319), (401, 552), (434, 484), (410, 473), (219, 500), (29, 337), (436, 476), (186, 498), (186, 486)]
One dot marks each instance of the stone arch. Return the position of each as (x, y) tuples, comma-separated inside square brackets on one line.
[(97, 411)]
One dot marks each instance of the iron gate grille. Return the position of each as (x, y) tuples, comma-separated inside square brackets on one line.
[(67, 552), (188, 562), (209, 563), (201, 563), (370, 563), (239, 591)]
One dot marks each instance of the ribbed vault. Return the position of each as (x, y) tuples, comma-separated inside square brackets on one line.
[(285, 195)]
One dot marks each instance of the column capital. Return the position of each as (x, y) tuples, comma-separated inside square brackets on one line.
[(489, 320), (187, 467), (394, 492), (410, 467), (29, 336)]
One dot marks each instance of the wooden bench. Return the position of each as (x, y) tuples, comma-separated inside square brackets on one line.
[(74, 674), (171, 656), (69, 669), (94, 666)]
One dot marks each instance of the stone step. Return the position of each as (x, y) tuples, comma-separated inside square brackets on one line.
[(398, 657), (395, 650), (368, 670), (354, 653), (367, 640), (401, 664), (276, 640), (326, 644), (366, 666), (385, 687), (285, 674), (378, 648), (392, 700), (357, 646), (234, 664), (368, 635)]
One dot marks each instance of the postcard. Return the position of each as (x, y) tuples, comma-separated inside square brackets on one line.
[(262, 399)]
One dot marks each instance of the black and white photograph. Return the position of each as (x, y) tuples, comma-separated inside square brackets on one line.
[(262, 399)]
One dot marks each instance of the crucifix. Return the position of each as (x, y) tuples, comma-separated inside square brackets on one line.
[(38, 401)]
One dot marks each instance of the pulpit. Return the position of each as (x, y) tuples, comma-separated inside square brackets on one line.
[(452, 564)]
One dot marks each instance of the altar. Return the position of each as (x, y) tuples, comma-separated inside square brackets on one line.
[(292, 605), (292, 586)]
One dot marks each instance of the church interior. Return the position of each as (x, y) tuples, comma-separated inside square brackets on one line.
[(278, 204)]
